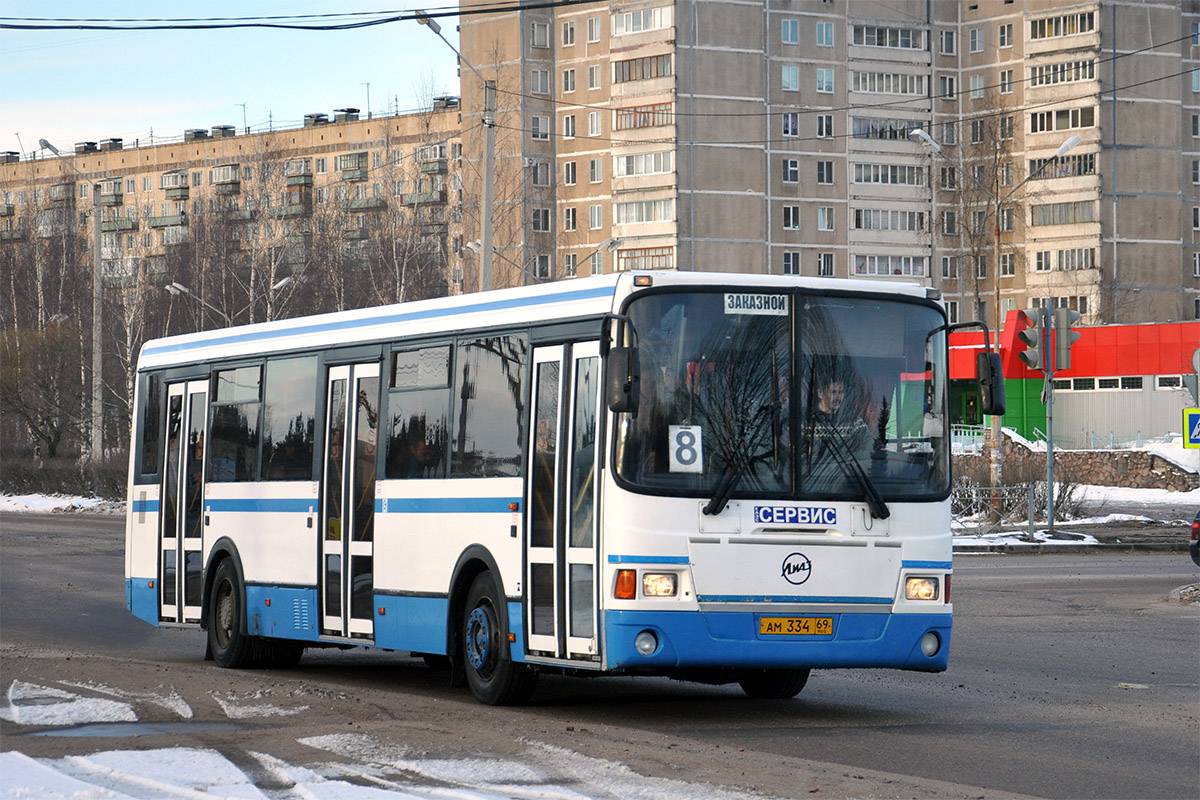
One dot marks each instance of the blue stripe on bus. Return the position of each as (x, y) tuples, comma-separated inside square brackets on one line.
[(261, 504), (445, 505), (790, 598), (384, 319), (927, 564), (647, 559), (144, 506)]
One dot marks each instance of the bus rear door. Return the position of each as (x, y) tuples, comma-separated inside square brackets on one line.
[(181, 521), (561, 602)]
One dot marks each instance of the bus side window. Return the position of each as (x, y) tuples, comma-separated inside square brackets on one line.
[(418, 421), (151, 410)]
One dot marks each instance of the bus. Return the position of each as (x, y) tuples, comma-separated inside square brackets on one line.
[(713, 477)]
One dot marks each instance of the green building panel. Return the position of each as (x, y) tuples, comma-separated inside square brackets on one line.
[(1024, 409)]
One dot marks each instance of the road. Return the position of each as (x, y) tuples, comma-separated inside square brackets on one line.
[(1071, 676)]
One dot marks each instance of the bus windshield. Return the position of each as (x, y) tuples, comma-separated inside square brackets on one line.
[(787, 394)]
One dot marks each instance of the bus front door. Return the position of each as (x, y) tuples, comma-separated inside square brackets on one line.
[(181, 521), (348, 501), (560, 541)]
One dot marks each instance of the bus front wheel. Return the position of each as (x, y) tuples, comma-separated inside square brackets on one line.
[(230, 647), (773, 684), (493, 677)]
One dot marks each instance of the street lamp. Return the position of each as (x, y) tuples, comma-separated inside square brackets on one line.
[(489, 153), (97, 446), (178, 289), (998, 201)]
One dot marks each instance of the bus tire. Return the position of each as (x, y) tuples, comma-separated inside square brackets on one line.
[(773, 684), (230, 647), (495, 680)]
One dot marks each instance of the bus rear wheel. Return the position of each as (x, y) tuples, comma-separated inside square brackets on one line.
[(773, 684), (493, 677), (230, 647)]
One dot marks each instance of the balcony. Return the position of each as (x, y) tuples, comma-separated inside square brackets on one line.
[(6, 211), (420, 198), (291, 211), (358, 234), (365, 204), (177, 193), (13, 236), (114, 225), (168, 221), (114, 199), (237, 215), (434, 228), (230, 187), (300, 180), (435, 167)]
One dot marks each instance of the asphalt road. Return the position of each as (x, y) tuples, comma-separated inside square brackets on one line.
[(1071, 676)]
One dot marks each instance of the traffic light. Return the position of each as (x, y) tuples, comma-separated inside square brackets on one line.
[(1033, 356), (1064, 337)]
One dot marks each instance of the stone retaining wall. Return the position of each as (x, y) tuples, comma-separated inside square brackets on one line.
[(1135, 469)]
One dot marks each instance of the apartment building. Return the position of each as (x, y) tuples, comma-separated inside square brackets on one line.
[(340, 193), (779, 137)]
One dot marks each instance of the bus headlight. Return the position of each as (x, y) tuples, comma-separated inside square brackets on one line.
[(659, 584), (921, 588), (646, 643)]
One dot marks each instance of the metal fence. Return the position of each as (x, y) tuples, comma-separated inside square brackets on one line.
[(980, 510)]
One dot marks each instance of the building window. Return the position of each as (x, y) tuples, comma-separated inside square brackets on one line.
[(889, 265), (539, 127), (1008, 264), (791, 218), (825, 34), (1008, 219), (946, 88), (595, 170), (568, 219), (568, 126), (975, 40), (656, 163), (1079, 211), (595, 216), (825, 80), (646, 258), (949, 133), (825, 172), (1041, 261), (638, 211), (540, 34), (791, 170), (1196, 218), (648, 116), (646, 19), (1005, 35), (1196, 264), (541, 220), (825, 265), (791, 79), (539, 81), (568, 29), (977, 86), (594, 77), (878, 36), (1006, 127), (594, 123), (949, 266), (791, 262), (952, 311), (1064, 25), (825, 126), (569, 173), (541, 267), (1006, 81), (978, 131), (949, 223), (790, 31), (1006, 174), (946, 43), (825, 218), (570, 264), (791, 123), (568, 81), (887, 83), (980, 265), (541, 173), (1062, 119), (593, 29), (1062, 72)]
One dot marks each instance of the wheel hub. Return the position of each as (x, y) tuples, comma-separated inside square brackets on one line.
[(479, 638)]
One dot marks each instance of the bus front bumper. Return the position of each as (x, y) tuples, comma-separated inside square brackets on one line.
[(732, 639)]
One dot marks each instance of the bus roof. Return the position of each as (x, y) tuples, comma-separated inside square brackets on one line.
[(561, 300)]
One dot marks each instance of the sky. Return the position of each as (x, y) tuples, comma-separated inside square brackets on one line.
[(75, 86)]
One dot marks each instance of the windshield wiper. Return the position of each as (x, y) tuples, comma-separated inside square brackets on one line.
[(850, 466), (738, 465)]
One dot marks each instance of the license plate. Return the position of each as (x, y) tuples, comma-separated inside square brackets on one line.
[(795, 626)]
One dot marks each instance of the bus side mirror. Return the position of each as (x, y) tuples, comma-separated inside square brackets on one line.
[(623, 379), (990, 373)]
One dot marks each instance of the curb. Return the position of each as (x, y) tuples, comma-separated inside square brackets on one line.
[(1050, 548)]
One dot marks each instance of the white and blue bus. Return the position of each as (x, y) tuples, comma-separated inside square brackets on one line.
[(719, 478)]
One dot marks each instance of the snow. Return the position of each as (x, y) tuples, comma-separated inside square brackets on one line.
[(57, 502), (363, 767)]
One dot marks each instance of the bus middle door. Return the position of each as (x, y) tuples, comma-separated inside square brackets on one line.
[(181, 521), (561, 601)]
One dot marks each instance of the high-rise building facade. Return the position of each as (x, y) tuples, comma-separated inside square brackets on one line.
[(781, 137)]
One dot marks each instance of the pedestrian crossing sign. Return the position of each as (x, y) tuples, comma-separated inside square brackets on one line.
[(1191, 428)]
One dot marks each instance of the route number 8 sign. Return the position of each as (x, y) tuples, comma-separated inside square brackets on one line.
[(687, 452)]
